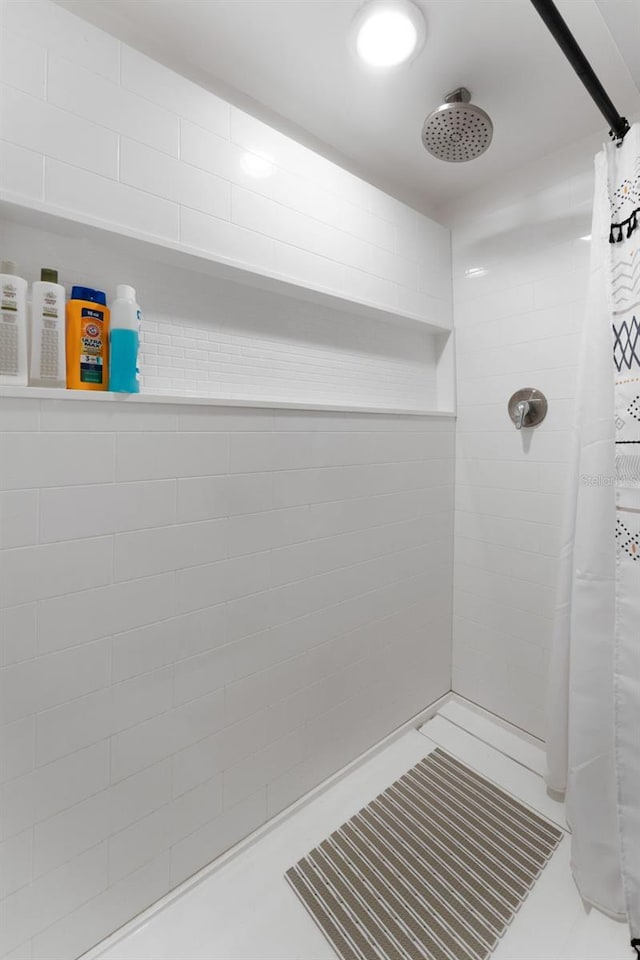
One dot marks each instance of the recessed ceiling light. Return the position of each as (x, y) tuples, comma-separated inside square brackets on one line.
[(388, 32), (255, 165)]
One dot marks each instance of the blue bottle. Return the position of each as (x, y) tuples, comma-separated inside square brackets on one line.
[(124, 342)]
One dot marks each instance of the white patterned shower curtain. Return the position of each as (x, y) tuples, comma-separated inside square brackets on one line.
[(593, 717)]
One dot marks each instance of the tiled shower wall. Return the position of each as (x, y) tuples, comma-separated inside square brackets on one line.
[(517, 326), (205, 612), (92, 128)]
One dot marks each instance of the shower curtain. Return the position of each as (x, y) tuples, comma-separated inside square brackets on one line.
[(593, 715)]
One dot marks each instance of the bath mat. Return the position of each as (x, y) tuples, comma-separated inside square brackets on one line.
[(435, 868)]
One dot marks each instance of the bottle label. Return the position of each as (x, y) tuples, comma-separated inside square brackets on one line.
[(9, 299), (50, 305), (91, 346)]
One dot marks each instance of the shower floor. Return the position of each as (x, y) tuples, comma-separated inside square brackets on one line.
[(245, 910)]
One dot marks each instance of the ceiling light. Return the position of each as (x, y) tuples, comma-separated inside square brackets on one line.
[(256, 166), (388, 32), (587, 238)]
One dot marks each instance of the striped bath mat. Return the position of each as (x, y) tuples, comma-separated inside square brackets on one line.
[(435, 868)]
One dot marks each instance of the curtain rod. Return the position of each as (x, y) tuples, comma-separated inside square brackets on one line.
[(571, 49)]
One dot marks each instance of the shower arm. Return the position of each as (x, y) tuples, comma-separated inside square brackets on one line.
[(571, 49)]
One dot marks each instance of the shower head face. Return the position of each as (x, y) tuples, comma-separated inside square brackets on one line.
[(458, 130)]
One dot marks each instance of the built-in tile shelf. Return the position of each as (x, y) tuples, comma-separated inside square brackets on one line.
[(126, 240), (80, 396), (375, 361)]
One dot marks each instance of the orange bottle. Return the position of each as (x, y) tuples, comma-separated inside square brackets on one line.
[(87, 340)]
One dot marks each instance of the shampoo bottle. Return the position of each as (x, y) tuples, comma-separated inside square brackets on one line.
[(87, 340), (47, 367), (14, 368), (124, 338)]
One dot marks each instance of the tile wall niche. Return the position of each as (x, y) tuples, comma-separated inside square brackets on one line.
[(210, 337)]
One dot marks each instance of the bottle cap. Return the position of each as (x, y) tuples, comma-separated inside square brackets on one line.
[(49, 275), (86, 293), (8, 266), (125, 292)]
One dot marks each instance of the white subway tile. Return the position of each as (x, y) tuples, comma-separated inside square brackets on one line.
[(17, 748), (174, 92), (255, 532), (138, 505), (109, 202), (200, 675), (45, 682), (139, 651), (148, 552), (18, 415), (155, 739), (159, 456), (15, 921), (54, 787), (263, 140), (72, 725), (35, 573), (209, 841), (206, 150), (311, 269), (91, 614), (73, 934), (68, 513), (142, 841), (141, 698), (48, 24), (198, 632), (21, 172), (47, 460), (79, 723), (226, 240), (16, 856), (203, 498), (93, 98), (262, 215), (245, 778), (254, 452), (85, 824), (22, 63), (42, 127), (18, 518), (58, 893), (157, 173)]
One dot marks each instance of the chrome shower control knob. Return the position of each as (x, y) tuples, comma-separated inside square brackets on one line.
[(527, 407)]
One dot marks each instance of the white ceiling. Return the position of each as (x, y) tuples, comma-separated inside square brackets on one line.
[(289, 62)]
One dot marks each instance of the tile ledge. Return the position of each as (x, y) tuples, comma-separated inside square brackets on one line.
[(59, 393)]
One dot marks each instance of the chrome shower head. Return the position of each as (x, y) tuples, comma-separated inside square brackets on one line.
[(458, 130)]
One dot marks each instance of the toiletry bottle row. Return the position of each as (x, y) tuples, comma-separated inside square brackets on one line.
[(82, 344)]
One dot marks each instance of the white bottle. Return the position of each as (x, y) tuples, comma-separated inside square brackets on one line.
[(48, 355), (14, 369)]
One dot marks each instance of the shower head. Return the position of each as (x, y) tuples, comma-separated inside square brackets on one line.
[(457, 130)]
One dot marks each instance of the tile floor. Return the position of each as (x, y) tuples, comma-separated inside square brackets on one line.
[(246, 911)]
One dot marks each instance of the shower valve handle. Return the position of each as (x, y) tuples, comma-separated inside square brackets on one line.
[(527, 407)]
